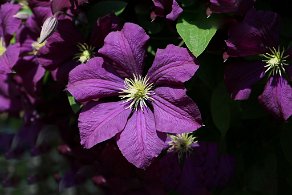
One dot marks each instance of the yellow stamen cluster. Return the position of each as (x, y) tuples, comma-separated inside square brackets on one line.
[(86, 52), (2, 47), (37, 46), (182, 144), (137, 91), (275, 61)]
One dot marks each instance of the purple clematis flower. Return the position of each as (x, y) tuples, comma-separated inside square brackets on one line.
[(229, 6), (78, 49), (258, 34), (202, 170), (59, 5), (150, 106), (8, 26), (169, 9)]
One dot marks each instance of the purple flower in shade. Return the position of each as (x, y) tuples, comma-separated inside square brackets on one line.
[(229, 6), (258, 34), (166, 8), (150, 106), (78, 49), (202, 170), (59, 5), (8, 26)]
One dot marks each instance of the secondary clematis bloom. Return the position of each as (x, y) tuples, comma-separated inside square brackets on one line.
[(258, 34), (59, 5), (202, 170), (8, 26), (169, 9), (229, 6), (149, 105)]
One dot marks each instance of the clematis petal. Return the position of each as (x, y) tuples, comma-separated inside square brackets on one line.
[(258, 32), (277, 97), (9, 58), (30, 74), (139, 141), (91, 81), (241, 76), (166, 8), (8, 24), (172, 65), (126, 49), (101, 121), (174, 111)]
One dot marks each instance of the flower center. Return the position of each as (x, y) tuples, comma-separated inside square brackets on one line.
[(2, 47), (182, 144), (85, 52), (37, 46), (137, 91), (275, 61)]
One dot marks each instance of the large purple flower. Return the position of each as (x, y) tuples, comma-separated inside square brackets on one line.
[(258, 34), (8, 26), (150, 106)]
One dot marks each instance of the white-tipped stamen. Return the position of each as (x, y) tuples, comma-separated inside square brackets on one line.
[(182, 144), (86, 52), (275, 61), (137, 91)]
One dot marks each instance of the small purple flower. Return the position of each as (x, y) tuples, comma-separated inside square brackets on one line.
[(229, 6), (150, 106), (169, 9), (52, 55), (258, 34)]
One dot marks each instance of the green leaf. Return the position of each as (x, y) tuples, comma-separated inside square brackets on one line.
[(197, 31), (220, 108), (105, 7), (74, 105)]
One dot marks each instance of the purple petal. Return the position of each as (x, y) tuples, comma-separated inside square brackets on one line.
[(126, 48), (166, 8), (258, 32), (172, 65), (9, 95), (30, 74), (241, 76), (41, 10), (91, 81), (8, 24), (174, 111), (9, 58), (277, 97), (139, 142), (101, 121), (103, 27)]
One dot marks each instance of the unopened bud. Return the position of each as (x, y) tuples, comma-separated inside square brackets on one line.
[(48, 28)]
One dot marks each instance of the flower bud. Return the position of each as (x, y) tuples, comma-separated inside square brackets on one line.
[(48, 28)]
